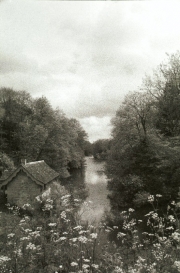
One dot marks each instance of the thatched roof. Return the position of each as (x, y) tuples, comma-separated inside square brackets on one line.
[(38, 171), (41, 171)]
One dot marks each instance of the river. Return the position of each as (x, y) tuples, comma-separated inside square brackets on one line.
[(92, 183)]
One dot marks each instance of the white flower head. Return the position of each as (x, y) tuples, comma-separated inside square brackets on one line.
[(10, 235), (85, 266), (74, 264), (93, 235), (4, 259), (52, 224), (158, 195), (62, 238), (82, 239), (95, 266), (151, 198)]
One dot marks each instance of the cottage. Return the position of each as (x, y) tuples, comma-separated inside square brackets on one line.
[(26, 182)]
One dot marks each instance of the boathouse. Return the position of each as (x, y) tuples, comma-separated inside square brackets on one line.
[(27, 181)]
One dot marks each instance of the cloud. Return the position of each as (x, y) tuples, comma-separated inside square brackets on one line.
[(12, 63), (97, 128), (84, 56)]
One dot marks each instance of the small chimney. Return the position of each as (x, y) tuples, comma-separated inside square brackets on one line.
[(23, 161)]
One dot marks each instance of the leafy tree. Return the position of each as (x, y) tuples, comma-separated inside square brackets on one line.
[(6, 164), (100, 148), (164, 87), (32, 129), (145, 141), (17, 109), (88, 150)]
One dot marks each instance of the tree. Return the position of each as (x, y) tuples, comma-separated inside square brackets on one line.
[(17, 108), (100, 148), (88, 151), (6, 164), (164, 88), (146, 142), (32, 129)]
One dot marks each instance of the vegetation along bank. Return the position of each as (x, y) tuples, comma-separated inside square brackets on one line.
[(142, 166)]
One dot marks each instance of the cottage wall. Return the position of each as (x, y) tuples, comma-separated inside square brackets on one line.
[(22, 190)]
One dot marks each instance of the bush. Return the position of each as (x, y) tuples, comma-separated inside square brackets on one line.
[(52, 239)]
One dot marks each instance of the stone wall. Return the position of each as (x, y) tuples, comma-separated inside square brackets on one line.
[(22, 190)]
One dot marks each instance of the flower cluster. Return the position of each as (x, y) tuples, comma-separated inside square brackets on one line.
[(56, 240)]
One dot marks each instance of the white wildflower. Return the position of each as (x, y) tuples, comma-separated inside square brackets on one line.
[(27, 230), (62, 238), (52, 224), (171, 218), (63, 214), (93, 235), (151, 198), (82, 231), (95, 266), (118, 270), (74, 264), (78, 228), (123, 212), (24, 238), (121, 235), (86, 260), (38, 199), (25, 206), (10, 235), (85, 266), (177, 265), (4, 259), (22, 221), (35, 234), (82, 239), (31, 246), (46, 193), (65, 196), (170, 228), (18, 252), (39, 228), (74, 239)]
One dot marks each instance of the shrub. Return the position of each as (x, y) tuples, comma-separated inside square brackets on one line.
[(52, 238)]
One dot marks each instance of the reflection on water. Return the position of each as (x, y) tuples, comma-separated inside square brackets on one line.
[(90, 182)]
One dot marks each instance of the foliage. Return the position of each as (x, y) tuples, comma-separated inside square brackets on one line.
[(100, 148), (50, 237), (5, 163), (88, 148), (145, 139), (32, 129)]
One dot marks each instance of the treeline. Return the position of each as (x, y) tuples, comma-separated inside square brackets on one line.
[(100, 148), (32, 129), (145, 149)]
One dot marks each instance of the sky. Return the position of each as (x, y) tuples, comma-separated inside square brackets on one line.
[(85, 56)]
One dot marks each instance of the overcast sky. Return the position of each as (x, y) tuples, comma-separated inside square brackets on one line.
[(85, 56)]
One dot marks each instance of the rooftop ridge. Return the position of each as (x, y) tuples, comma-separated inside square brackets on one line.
[(34, 162), (39, 171)]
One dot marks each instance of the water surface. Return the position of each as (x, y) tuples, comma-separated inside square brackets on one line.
[(92, 179)]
